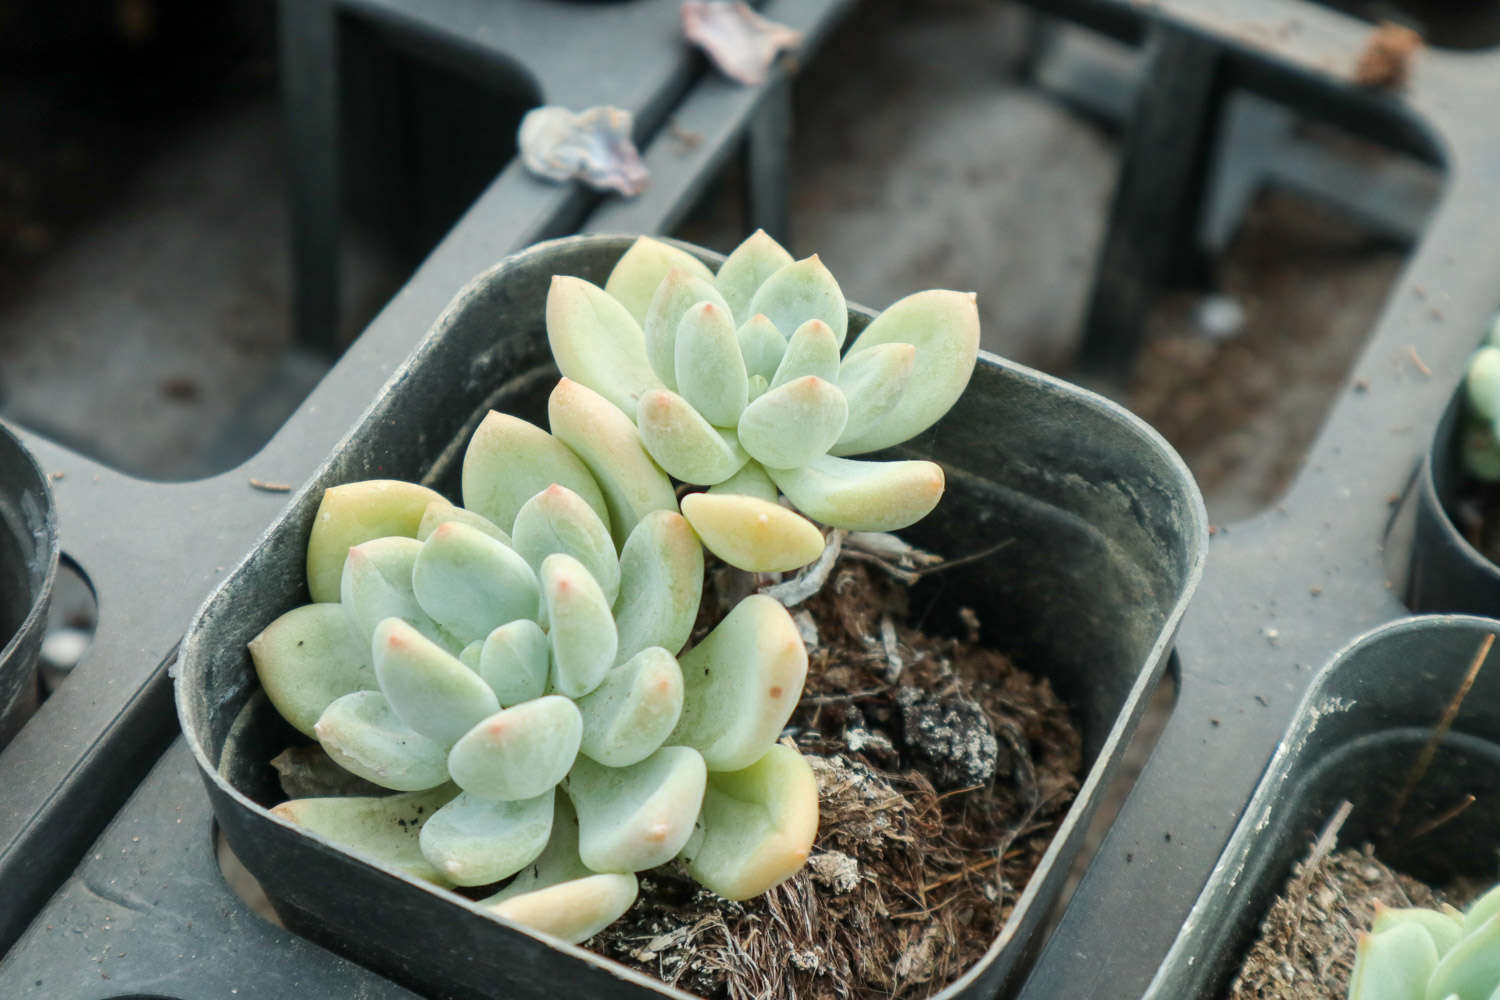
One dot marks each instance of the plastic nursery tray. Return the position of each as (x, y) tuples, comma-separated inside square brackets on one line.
[(28, 567), (1362, 724), (1447, 573), (1108, 533)]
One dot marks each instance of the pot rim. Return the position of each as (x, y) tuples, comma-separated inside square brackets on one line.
[(35, 620)]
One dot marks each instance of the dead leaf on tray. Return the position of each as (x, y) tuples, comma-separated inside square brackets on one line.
[(738, 40), (1388, 56), (593, 146)]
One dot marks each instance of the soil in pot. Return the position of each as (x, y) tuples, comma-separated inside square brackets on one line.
[(944, 771)]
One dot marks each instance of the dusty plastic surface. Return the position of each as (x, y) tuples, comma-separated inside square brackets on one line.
[(1108, 537)]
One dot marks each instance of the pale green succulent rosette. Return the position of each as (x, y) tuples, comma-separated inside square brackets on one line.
[(740, 382), (1421, 954), (519, 680)]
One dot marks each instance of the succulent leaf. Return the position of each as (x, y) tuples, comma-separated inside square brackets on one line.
[(309, 657), (757, 826), (661, 583), (597, 342), (1393, 965), (383, 828), (758, 387), (364, 736), (429, 688), (683, 443), (558, 520), (629, 716), (747, 268), (640, 271), (943, 326), (470, 583), (1482, 382), (811, 350), (1444, 930), (752, 534), (472, 655), (355, 513), (710, 369), (439, 513), (377, 584), (750, 481), (559, 861), (519, 752), (801, 291), (762, 346), (583, 635), (873, 382), (678, 293), (610, 446), (475, 842), (572, 911), (1470, 969), (793, 424), (1479, 449), (514, 661), (1481, 910), (636, 817), (740, 684), (862, 496), (509, 461)]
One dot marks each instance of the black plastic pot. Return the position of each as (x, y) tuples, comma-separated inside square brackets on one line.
[(1109, 535), (1446, 572), (1364, 721), (28, 567)]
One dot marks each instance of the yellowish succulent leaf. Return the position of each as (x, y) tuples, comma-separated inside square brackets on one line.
[(752, 534)]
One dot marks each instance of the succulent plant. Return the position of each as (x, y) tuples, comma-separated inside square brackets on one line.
[(1420, 954), (739, 382), (1479, 443), (511, 669)]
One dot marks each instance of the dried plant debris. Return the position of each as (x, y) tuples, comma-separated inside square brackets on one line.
[(939, 793), (1388, 56), (1306, 943), (594, 146), (738, 40)]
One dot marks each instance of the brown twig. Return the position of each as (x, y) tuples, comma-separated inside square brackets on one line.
[(969, 870), (1447, 817), (1416, 360), (261, 484), (1429, 750)]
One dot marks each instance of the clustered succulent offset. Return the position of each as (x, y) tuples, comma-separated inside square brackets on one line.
[(1419, 954), (521, 688), (739, 382), (1480, 442)]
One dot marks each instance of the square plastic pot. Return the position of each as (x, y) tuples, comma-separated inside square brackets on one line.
[(1108, 535), (1446, 572), (28, 569), (1362, 724)]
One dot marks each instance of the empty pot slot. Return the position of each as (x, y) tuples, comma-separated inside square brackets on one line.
[(71, 623)]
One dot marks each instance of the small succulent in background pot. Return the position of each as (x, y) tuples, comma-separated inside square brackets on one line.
[(1420, 954)]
